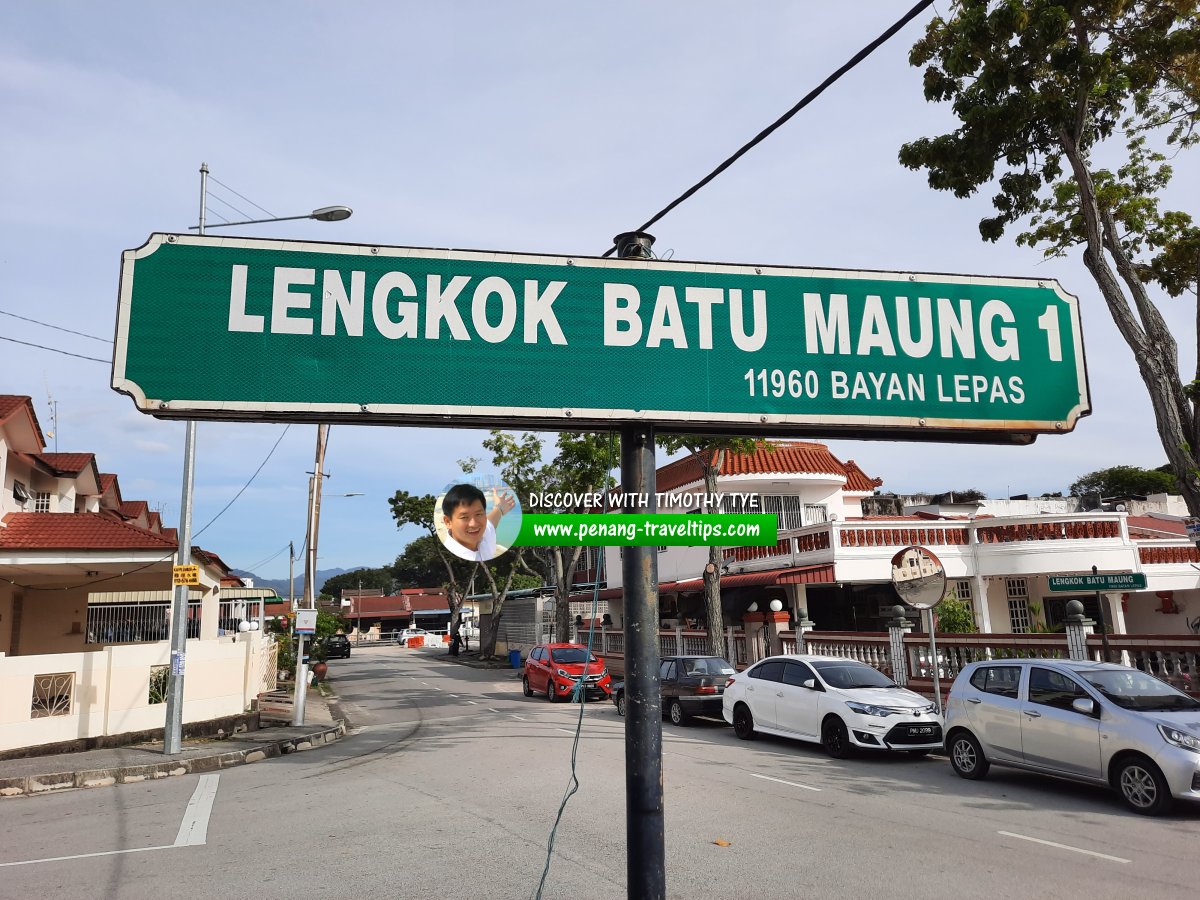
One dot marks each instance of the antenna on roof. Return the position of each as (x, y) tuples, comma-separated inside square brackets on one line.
[(53, 404)]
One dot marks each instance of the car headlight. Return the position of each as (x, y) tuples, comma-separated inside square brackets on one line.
[(1180, 738), (868, 709), (563, 673)]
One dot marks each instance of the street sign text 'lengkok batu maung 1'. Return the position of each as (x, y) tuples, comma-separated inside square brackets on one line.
[(302, 331)]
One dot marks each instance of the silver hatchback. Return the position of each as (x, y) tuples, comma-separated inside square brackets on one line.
[(1087, 721)]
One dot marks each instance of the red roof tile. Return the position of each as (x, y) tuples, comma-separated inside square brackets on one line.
[(11, 404), (69, 463), (76, 531), (1150, 528), (131, 509), (784, 458)]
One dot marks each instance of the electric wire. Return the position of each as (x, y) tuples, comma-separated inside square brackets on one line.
[(107, 362), (213, 178), (579, 694), (263, 562), (246, 485), (770, 129), (55, 327)]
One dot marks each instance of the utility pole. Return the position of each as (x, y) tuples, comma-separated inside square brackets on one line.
[(645, 858), (173, 729), (310, 567)]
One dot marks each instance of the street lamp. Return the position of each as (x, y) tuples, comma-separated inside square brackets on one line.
[(173, 730), (324, 214)]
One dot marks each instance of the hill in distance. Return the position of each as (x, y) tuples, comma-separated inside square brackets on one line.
[(281, 584)]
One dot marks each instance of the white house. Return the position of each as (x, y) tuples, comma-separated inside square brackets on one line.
[(83, 608), (834, 563)]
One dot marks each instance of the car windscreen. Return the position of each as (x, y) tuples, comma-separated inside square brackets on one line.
[(572, 655), (1131, 689), (706, 665), (850, 675)]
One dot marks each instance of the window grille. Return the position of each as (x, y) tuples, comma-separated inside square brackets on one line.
[(41, 501), (20, 492), (815, 513), (53, 695), (1018, 605), (158, 684), (124, 623)]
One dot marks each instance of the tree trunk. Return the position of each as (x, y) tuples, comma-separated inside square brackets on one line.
[(714, 619)]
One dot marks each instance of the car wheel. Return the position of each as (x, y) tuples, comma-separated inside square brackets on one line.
[(525, 686), (550, 690), (966, 756), (621, 703), (835, 739), (676, 713), (1142, 787), (743, 722)]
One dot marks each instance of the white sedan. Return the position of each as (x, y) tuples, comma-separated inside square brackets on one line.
[(842, 703)]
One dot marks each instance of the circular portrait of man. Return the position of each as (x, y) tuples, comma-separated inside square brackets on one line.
[(477, 523)]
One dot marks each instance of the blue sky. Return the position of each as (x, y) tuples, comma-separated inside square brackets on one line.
[(530, 128)]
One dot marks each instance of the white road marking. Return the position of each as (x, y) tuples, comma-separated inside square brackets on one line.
[(493, 709), (30, 862), (473, 702), (455, 696), (515, 716), (781, 781), (566, 730), (193, 830), (1024, 837)]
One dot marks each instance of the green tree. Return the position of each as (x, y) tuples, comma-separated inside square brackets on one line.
[(581, 465), (460, 574), (368, 579), (711, 451), (954, 616), (1038, 86), (1121, 481)]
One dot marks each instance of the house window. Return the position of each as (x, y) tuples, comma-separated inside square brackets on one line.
[(53, 695), (1018, 605), (20, 492), (962, 591), (815, 513), (41, 501)]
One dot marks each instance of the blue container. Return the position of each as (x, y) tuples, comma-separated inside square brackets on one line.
[(514, 658)]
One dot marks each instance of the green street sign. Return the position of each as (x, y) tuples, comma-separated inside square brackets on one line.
[(1126, 581), (228, 328)]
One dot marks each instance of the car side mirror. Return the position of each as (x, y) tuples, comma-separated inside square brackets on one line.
[(1084, 705), (810, 683)]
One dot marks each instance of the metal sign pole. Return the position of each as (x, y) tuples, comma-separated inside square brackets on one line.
[(173, 728), (933, 662), (645, 857), (1100, 602)]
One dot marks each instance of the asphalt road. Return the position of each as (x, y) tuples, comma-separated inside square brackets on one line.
[(449, 786)]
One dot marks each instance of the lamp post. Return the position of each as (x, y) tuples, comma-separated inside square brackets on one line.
[(173, 729)]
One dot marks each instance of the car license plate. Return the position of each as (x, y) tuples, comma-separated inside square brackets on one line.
[(917, 730)]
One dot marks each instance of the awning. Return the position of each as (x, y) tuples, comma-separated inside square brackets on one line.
[(799, 575)]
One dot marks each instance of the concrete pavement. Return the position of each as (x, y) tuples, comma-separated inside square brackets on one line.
[(144, 762)]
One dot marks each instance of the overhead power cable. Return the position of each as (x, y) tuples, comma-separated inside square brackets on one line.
[(808, 98), (55, 327), (107, 362)]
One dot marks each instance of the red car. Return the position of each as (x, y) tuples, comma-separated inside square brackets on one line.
[(553, 670)]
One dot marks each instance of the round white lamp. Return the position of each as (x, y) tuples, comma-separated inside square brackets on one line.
[(243, 626), (753, 607), (776, 605)]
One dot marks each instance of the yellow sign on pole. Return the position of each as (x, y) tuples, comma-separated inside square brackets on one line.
[(185, 575)]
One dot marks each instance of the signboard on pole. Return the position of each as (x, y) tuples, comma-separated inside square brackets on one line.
[(306, 621), (1125, 581), (185, 575), (320, 332)]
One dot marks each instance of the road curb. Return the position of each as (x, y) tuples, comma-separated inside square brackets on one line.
[(32, 785)]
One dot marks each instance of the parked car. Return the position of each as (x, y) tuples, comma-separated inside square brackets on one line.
[(403, 636), (555, 669), (337, 646), (842, 703), (691, 686), (1094, 722)]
